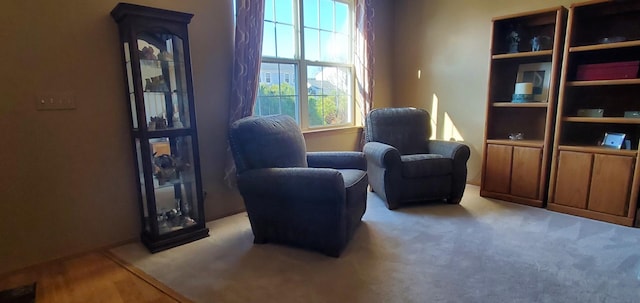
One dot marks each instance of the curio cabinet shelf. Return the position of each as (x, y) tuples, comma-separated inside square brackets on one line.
[(157, 72)]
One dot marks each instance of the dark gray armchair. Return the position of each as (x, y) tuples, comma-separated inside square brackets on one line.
[(403, 165), (312, 200)]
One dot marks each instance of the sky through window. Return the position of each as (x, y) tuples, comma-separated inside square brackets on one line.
[(326, 29)]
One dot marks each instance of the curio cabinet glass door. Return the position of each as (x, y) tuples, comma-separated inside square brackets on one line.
[(155, 52)]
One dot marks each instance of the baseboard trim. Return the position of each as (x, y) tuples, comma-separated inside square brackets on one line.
[(626, 221), (511, 198)]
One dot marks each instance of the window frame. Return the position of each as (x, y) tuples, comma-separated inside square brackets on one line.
[(301, 64)]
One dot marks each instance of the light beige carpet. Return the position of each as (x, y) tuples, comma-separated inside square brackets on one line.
[(482, 250)]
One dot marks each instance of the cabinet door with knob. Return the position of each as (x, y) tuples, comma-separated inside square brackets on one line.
[(512, 171), (596, 185)]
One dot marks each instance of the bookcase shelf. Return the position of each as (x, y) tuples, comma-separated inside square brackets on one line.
[(604, 46), (521, 105), (604, 82), (604, 120), (523, 55), (599, 150), (526, 143)]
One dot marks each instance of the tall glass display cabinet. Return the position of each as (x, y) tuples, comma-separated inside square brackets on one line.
[(159, 91)]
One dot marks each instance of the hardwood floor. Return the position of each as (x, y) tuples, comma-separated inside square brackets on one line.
[(92, 277)]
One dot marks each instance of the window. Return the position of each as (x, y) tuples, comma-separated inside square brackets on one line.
[(307, 44)]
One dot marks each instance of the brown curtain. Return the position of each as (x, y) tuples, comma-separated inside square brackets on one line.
[(246, 66), (364, 58)]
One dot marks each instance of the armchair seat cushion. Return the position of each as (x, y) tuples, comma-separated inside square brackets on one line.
[(425, 165)]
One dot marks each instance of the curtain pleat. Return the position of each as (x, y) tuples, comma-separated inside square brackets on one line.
[(246, 67), (364, 57), (248, 55)]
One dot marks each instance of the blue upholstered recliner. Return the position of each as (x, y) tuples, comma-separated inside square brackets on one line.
[(403, 165), (312, 200)]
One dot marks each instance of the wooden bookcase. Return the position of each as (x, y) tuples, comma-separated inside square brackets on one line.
[(517, 170), (588, 179)]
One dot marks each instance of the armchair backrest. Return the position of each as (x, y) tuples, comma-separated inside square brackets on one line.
[(406, 129), (265, 142)]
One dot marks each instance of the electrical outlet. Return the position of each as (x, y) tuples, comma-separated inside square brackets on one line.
[(55, 101)]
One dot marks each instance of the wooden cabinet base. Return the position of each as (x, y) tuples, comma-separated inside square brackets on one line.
[(590, 214), (512, 173), (155, 246), (511, 198)]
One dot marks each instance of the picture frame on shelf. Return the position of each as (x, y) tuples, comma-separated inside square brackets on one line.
[(613, 140), (540, 75)]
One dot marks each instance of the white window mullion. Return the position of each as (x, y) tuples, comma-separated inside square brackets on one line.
[(304, 96), (275, 36), (297, 28), (303, 104)]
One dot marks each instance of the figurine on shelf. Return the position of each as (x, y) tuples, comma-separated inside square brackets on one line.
[(147, 53), (535, 44), (165, 56), (516, 136), (155, 84), (147, 85), (160, 84), (513, 39), (539, 43), (168, 167), (161, 122), (158, 122), (185, 209), (176, 120), (164, 168)]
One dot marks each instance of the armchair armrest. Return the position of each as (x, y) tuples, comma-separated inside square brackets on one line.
[(337, 160), (450, 149), (460, 154), (381, 155), (303, 185)]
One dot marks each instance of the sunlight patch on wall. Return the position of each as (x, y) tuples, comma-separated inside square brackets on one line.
[(434, 117), (450, 130)]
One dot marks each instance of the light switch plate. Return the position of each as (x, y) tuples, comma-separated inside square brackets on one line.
[(55, 101)]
